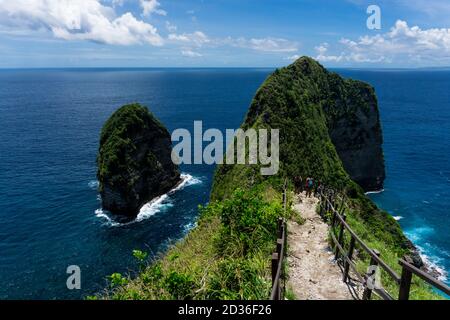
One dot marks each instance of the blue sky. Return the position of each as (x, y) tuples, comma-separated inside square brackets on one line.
[(222, 33)]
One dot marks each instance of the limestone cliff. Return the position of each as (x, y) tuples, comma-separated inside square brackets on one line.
[(134, 161), (354, 125)]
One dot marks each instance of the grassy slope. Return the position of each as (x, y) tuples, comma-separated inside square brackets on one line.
[(210, 262)]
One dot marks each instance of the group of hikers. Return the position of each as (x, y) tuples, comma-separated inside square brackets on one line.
[(310, 185)]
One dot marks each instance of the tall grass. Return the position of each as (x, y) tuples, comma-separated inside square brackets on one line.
[(226, 257)]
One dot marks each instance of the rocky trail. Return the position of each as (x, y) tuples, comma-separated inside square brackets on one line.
[(313, 273)]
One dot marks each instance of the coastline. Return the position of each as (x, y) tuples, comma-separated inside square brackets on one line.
[(433, 268)]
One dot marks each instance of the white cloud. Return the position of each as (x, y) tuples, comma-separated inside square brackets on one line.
[(200, 39), (151, 6), (263, 44), (402, 44), (197, 38), (190, 54), (78, 20), (171, 27), (324, 57), (293, 58)]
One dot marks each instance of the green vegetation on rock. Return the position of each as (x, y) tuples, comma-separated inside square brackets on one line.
[(134, 160)]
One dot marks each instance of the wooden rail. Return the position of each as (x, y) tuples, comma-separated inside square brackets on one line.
[(277, 262), (329, 205), (280, 253)]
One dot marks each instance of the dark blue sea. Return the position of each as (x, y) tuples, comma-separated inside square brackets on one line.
[(50, 121)]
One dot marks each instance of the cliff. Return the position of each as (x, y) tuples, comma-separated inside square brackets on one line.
[(353, 121), (330, 130), (134, 160)]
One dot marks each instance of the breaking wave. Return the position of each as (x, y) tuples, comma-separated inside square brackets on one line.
[(375, 192), (159, 204), (426, 251)]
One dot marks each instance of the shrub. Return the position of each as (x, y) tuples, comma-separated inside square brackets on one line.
[(179, 285), (247, 222), (117, 280)]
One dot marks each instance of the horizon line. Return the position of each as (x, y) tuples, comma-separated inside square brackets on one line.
[(218, 67)]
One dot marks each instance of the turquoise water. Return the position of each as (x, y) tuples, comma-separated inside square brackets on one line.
[(49, 126), (415, 111)]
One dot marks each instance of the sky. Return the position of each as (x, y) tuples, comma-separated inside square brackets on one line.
[(222, 33)]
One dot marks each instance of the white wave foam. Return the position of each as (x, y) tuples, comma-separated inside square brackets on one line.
[(398, 218), (432, 263), (155, 206), (375, 192), (189, 227), (93, 184), (187, 180), (110, 222)]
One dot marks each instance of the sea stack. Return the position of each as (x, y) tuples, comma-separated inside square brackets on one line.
[(134, 161), (329, 128)]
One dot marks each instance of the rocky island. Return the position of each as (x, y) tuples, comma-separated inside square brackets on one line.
[(134, 161)]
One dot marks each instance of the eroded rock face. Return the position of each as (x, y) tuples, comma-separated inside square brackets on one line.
[(134, 161), (355, 130)]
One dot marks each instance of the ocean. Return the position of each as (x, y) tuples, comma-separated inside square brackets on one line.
[(50, 122)]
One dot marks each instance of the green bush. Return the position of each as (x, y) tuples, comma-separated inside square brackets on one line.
[(247, 222), (116, 280), (179, 285), (237, 279)]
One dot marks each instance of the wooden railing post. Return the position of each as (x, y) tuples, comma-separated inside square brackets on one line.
[(340, 238), (280, 247), (275, 259), (367, 291), (349, 257), (333, 221), (405, 282), (280, 228)]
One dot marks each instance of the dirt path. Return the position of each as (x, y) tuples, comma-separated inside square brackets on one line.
[(313, 275)]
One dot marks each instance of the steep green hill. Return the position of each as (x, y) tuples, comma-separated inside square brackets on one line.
[(305, 102)]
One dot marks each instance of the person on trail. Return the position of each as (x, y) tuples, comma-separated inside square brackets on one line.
[(298, 184), (317, 188), (310, 187)]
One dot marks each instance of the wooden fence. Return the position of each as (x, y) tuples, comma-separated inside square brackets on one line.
[(332, 204), (279, 255)]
